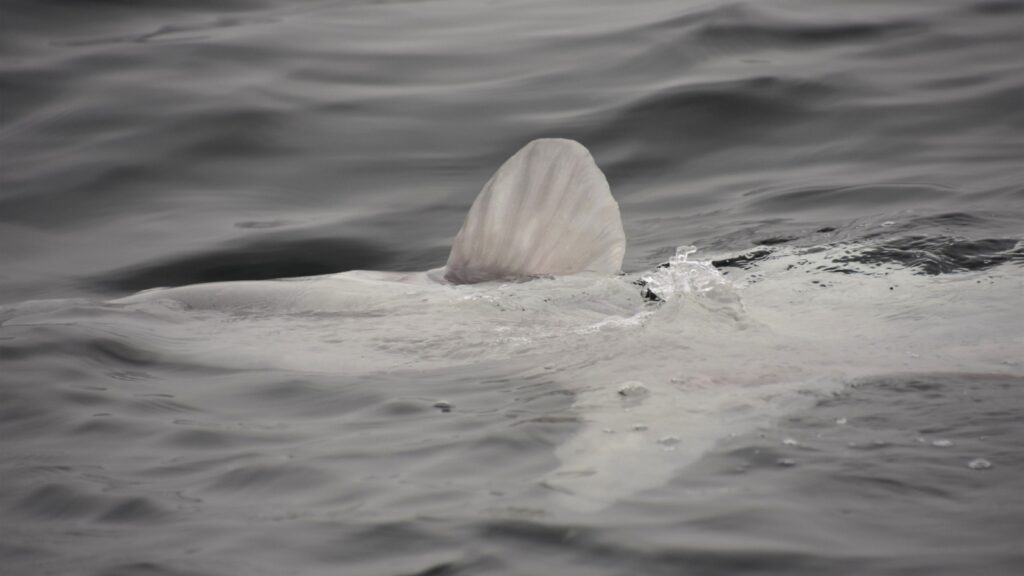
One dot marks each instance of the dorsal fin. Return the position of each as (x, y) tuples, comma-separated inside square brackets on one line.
[(547, 210)]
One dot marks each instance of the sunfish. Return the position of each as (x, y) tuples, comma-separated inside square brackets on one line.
[(547, 211), (531, 290), (532, 283)]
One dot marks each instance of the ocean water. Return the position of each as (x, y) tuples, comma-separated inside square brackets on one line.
[(829, 381)]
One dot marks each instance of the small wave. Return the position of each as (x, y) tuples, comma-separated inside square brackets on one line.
[(274, 479), (749, 27), (743, 260), (997, 7), (939, 255), (747, 24), (614, 322), (170, 33), (865, 196), (60, 501), (722, 112)]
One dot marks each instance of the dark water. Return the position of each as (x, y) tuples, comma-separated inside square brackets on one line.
[(164, 144)]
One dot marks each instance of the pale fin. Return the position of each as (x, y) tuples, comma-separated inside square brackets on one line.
[(547, 210)]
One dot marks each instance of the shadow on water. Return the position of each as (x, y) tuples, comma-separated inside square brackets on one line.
[(261, 259)]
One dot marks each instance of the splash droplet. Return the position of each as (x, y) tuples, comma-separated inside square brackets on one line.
[(979, 464), (668, 440), (633, 389)]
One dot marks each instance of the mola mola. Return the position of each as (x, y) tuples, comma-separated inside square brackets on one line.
[(547, 211), (653, 385), (546, 215)]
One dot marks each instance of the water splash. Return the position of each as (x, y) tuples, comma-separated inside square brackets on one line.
[(682, 276)]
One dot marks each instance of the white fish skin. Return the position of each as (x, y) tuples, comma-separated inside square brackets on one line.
[(547, 211)]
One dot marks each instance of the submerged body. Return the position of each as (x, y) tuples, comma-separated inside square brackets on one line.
[(710, 363)]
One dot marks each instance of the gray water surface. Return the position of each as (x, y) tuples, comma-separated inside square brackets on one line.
[(846, 400)]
